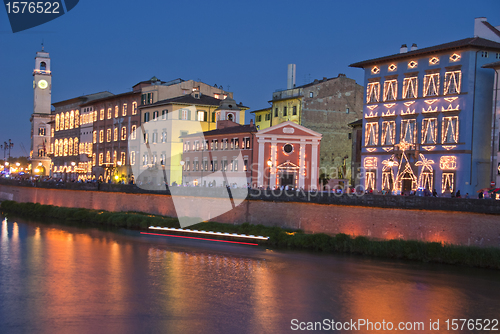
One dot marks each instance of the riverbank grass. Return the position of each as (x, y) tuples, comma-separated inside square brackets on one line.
[(278, 237)]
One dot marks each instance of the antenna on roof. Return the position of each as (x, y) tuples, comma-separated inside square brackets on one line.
[(42, 44)]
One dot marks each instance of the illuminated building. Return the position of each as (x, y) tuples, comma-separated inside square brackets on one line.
[(325, 106), (67, 161), (166, 122), (41, 117), (427, 115), (286, 154), (112, 119)]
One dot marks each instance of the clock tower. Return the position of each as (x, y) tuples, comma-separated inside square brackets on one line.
[(41, 117)]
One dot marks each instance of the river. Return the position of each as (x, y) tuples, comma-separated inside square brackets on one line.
[(67, 279)]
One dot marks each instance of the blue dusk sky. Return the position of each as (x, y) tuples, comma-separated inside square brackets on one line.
[(243, 46)]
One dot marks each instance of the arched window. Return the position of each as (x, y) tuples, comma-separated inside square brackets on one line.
[(61, 123), (146, 117), (43, 66), (94, 137), (56, 146), (72, 119), (61, 147), (66, 121), (100, 159), (124, 133), (93, 159), (65, 146), (108, 157), (115, 134), (70, 146), (57, 122), (155, 115), (76, 145), (116, 111), (114, 157), (77, 118), (230, 117)]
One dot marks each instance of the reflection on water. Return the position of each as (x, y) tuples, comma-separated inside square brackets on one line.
[(60, 279)]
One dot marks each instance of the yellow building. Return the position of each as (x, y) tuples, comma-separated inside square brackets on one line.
[(262, 118), (159, 153), (326, 106)]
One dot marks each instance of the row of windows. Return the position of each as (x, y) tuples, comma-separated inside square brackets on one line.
[(214, 166), (154, 137), (267, 117), (408, 132), (65, 147), (431, 87), (68, 120), (184, 114), (426, 180), (285, 111), (115, 112), (123, 157), (225, 144), (112, 134)]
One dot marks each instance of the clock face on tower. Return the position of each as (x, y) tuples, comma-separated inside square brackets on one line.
[(42, 84)]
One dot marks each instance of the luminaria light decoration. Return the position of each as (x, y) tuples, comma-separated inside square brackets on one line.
[(428, 148), (409, 103), (434, 61), (388, 173), (410, 88), (405, 173), (371, 149), (375, 70), (390, 89), (388, 113), (371, 134), (389, 105), (449, 131), (429, 130), (449, 147), (429, 110), (429, 102), (373, 92), (431, 84), (392, 67), (371, 115), (408, 130), (425, 179), (448, 162), (412, 64), (388, 132), (452, 82), (372, 107), (370, 162), (448, 182), (407, 112), (455, 57)]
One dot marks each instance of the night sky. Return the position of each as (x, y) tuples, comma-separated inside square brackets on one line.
[(243, 46)]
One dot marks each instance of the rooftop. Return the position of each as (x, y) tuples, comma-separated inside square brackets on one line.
[(228, 130), (472, 42), (189, 99)]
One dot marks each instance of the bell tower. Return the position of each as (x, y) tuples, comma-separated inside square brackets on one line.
[(41, 117)]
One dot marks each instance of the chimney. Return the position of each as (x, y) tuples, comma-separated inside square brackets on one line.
[(479, 27), (251, 122), (414, 47), (290, 83), (404, 49)]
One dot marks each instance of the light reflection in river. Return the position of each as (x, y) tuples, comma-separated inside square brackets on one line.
[(60, 279)]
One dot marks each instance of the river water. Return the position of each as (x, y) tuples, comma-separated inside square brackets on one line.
[(65, 279)]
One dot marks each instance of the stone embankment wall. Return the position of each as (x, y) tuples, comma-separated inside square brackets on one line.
[(382, 217)]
